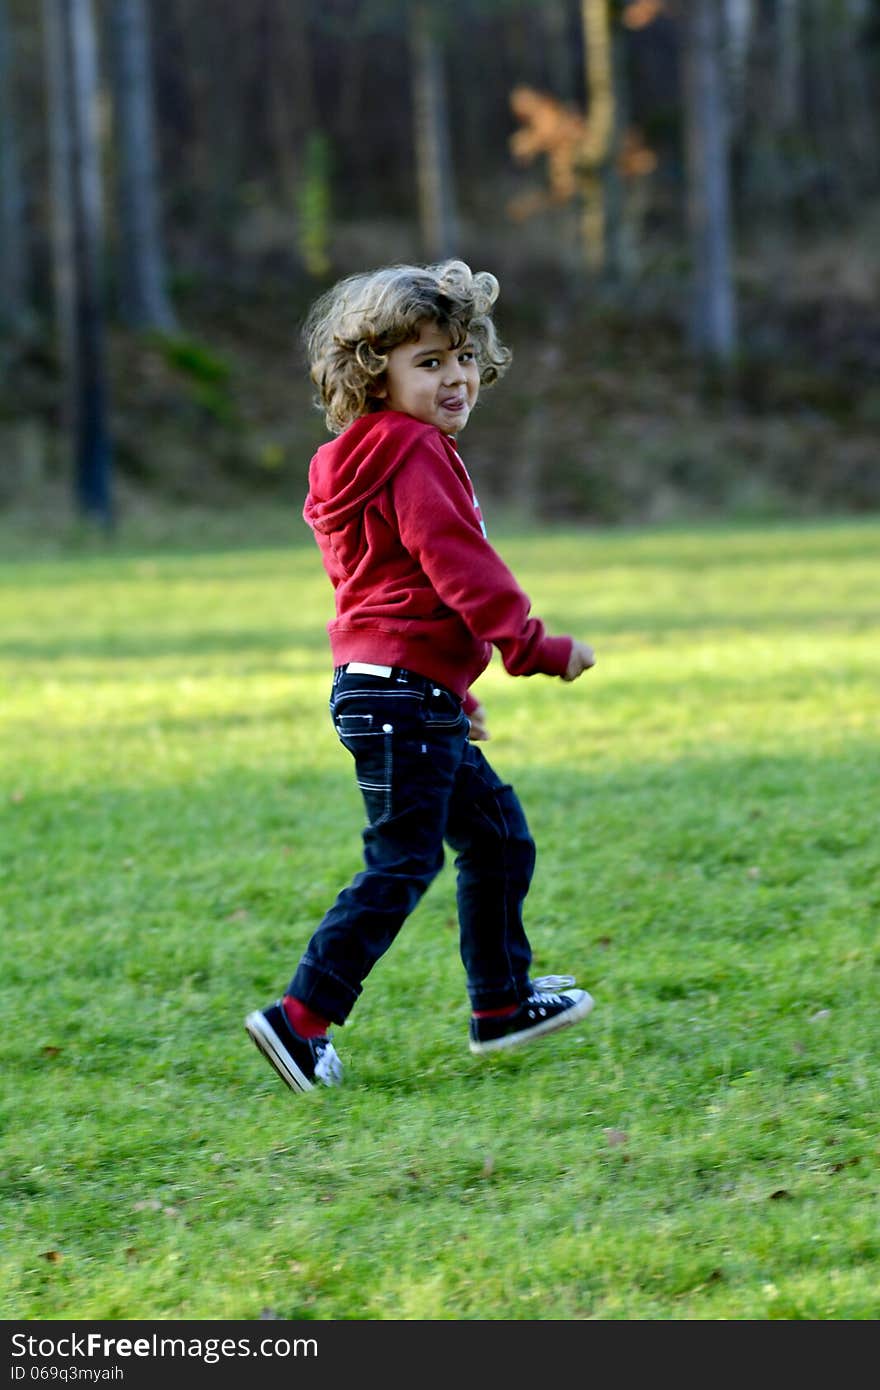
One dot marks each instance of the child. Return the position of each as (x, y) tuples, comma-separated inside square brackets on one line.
[(398, 356)]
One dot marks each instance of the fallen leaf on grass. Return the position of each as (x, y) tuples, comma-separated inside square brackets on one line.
[(54, 1257), (615, 1137)]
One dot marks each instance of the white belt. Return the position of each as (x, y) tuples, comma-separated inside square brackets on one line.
[(365, 668)]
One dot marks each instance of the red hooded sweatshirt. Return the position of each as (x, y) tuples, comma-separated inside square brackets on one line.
[(417, 583)]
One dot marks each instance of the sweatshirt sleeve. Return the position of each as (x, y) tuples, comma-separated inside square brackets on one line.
[(438, 524)]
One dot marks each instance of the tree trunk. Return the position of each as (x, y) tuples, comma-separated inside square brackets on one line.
[(143, 295), (72, 85), (836, 107), (13, 255), (739, 22), (713, 326), (788, 65), (596, 154), (621, 248), (561, 59), (437, 213), (852, 146)]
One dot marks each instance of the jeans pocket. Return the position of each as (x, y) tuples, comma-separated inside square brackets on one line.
[(352, 724), (441, 710)]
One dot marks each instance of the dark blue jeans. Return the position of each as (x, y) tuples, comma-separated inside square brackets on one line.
[(423, 784)]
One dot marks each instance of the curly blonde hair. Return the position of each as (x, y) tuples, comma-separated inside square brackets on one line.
[(350, 330)]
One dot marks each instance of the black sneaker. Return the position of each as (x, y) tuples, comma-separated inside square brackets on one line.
[(545, 1010), (300, 1062)]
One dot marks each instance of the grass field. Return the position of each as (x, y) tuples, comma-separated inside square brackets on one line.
[(175, 815)]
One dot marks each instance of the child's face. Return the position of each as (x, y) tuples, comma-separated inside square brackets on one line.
[(431, 380)]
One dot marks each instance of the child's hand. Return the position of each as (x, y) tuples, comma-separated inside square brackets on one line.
[(581, 659), (479, 733)]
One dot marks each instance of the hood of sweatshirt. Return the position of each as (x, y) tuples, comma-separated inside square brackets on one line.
[(347, 471)]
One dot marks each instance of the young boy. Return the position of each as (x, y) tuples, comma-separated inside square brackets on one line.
[(398, 357)]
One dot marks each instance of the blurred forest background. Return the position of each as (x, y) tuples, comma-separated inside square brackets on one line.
[(681, 201)]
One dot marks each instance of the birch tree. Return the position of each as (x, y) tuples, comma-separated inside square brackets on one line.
[(77, 245)]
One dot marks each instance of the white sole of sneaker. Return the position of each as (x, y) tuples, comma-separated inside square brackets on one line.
[(539, 1030), (272, 1048)]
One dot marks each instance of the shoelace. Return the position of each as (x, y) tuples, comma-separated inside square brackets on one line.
[(550, 985)]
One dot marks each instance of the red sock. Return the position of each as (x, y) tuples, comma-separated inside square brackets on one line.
[(496, 1013), (302, 1019)]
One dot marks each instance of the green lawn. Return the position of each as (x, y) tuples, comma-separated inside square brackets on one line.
[(175, 815)]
